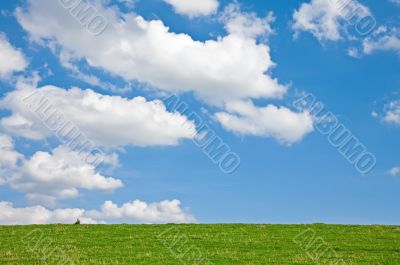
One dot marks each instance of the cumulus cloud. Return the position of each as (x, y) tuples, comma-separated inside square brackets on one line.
[(235, 67), (168, 211), (382, 39), (326, 20), (232, 67), (194, 8), (47, 177), (394, 171), (39, 215), (11, 59), (392, 112), (133, 212), (109, 121), (280, 123), (353, 52), (246, 24), (8, 157)]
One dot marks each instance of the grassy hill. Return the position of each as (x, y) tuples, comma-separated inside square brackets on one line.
[(200, 244)]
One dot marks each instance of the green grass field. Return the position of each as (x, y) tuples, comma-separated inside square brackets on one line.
[(200, 244)]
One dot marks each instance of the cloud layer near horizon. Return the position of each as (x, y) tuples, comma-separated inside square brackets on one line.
[(168, 211)]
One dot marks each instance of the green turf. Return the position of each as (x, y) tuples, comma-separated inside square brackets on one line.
[(200, 244)]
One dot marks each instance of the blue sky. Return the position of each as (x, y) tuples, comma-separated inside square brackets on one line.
[(288, 173)]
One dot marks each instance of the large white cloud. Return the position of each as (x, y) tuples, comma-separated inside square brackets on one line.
[(235, 67), (280, 123), (326, 19), (194, 8), (232, 67), (47, 177), (132, 212), (109, 121), (11, 59)]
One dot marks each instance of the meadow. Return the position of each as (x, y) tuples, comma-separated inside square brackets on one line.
[(200, 244)]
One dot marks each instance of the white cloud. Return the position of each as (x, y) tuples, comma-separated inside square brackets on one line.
[(109, 121), (394, 171), (382, 40), (280, 123), (246, 24), (11, 59), (326, 19), (229, 68), (194, 8), (353, 52), (50, 176), (397, 2), (39, 215), (159, 212), (132, 212), (60, 173), (392, 112), (8, 157), (236, 67)]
